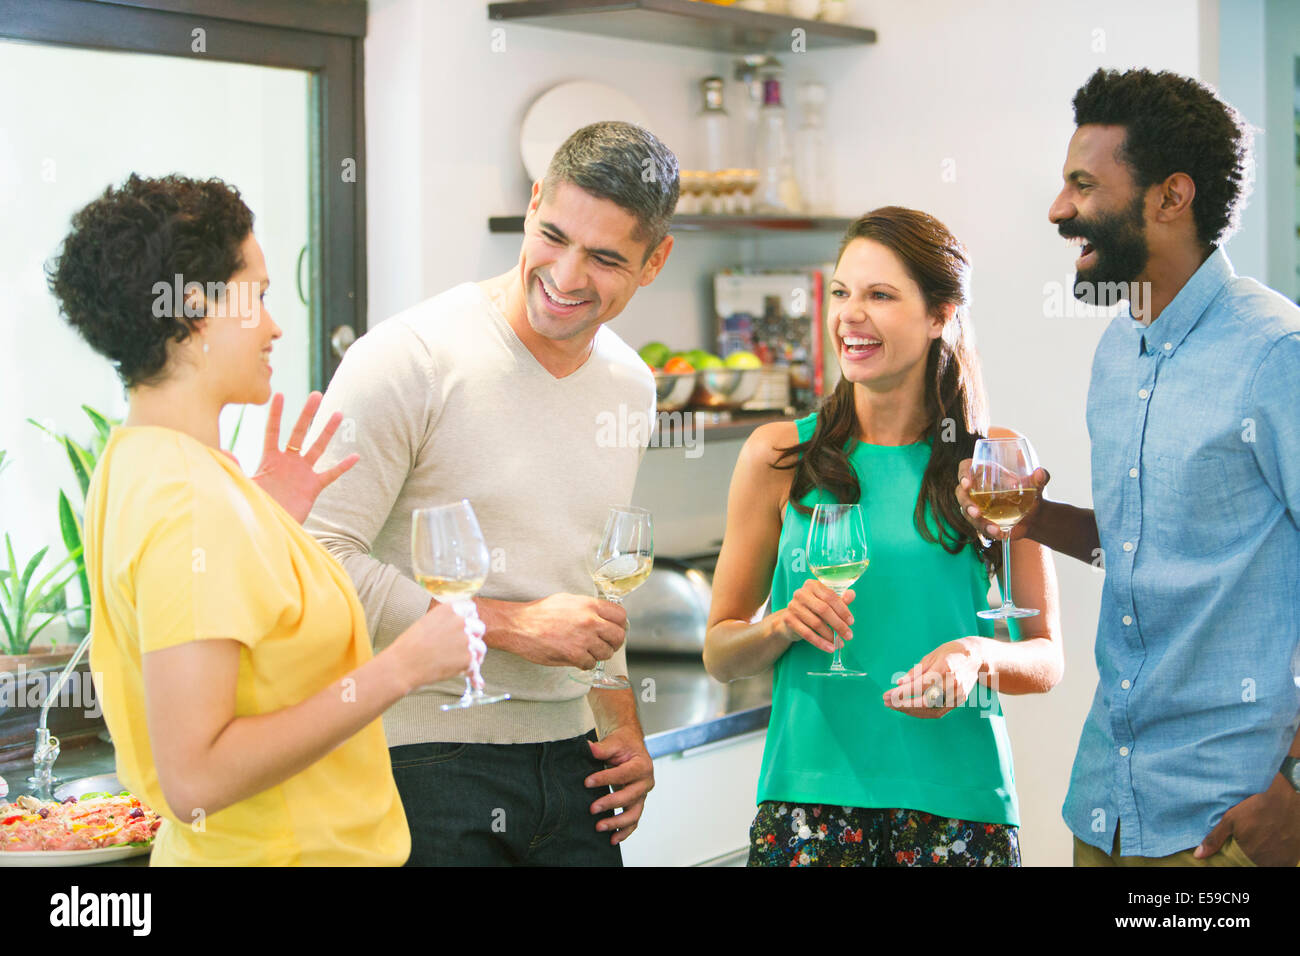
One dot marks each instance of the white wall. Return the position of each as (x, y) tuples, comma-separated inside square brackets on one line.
[(961, 109)]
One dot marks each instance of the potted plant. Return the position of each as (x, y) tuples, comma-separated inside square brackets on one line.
[(28, 607)]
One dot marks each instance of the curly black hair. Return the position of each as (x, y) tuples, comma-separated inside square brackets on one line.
[(1174, 124), (125, 242)]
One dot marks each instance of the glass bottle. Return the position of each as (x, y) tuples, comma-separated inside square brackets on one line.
[(810, 153), (713, 128), (778, 191)]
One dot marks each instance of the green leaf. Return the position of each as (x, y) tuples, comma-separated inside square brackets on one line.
[(81, 464), (102, 424), (9, 631), (44, 429), (238, 422), (41, 588), (71, 528), (31, 635)]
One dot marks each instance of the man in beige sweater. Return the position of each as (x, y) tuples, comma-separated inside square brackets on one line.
[(493, 391)]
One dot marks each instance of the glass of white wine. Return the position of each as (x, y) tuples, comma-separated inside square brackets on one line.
[(619, 563), (837, 556), (1002, 487), (450, 559)]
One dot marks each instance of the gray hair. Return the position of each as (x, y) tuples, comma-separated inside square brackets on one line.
[(625, 164)]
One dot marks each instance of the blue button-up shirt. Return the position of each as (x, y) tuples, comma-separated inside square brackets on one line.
[(1195, 428)]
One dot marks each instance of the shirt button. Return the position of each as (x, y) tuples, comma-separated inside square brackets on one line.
[(1124, 684), (1128, 545), (1143, 393), (1127, 620), (1123, 751), (1132, 472), (1168, 346)]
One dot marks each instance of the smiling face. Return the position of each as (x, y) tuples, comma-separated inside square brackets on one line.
[(878, 319), (1101, 210), (239, 330), (581, 261)]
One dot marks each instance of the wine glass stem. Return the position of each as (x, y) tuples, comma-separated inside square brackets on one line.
[(1006, 571), (600, 665)]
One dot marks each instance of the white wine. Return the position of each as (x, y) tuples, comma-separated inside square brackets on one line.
[(620, 576), (839, 577), (448, 590), (1005, 507)]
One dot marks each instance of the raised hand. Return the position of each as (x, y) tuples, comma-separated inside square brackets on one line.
[(289, 476)]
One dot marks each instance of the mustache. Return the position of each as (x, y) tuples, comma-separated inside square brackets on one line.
[(1069, 230)]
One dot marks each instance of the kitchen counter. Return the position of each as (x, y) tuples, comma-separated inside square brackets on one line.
[(682, 707), (87, 757)]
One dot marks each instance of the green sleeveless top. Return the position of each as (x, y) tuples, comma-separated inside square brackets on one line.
[(833, 741)]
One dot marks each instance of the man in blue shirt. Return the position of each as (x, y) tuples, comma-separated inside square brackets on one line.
[(1188, 754)]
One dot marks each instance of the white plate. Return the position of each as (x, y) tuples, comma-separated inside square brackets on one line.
[(108, 854), (564, 109)]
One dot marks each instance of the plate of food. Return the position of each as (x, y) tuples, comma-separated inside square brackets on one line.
[(79, 831)]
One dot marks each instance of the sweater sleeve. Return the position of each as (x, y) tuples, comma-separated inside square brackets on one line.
[(387, 389)]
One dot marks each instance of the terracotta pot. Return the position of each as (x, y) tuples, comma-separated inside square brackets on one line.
[(56, 656)]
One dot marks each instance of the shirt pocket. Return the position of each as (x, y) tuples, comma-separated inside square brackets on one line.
[(1195, 511)]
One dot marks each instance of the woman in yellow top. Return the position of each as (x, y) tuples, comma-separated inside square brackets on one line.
[(234, 664)]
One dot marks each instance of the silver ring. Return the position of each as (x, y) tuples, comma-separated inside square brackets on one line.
[(933, 696)]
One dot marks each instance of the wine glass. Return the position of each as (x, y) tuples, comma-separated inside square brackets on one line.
[(619, 562), (1003, 489), (450, 559), (837, 556)]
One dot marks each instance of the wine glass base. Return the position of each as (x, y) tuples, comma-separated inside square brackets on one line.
[(845, 672), (473, 700), (1004, 613), (601, 681)]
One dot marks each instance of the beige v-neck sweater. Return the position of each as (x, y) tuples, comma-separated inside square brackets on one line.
[(443, 402)]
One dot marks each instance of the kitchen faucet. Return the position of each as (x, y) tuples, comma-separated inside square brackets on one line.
[(47, 747)]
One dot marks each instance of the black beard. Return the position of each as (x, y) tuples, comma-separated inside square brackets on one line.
[(1119, 244)]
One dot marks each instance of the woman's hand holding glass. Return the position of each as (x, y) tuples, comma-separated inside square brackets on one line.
[(816, 614), (434, 647)]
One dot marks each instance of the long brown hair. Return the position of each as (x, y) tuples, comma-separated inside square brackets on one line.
[(955, 404)]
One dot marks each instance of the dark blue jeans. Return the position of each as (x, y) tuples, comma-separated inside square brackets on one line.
[(502, 804)]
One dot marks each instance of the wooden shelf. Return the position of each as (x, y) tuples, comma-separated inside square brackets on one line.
[(717, 224), (681, 23)]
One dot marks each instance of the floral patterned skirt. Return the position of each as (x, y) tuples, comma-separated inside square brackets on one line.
[(815, 834)]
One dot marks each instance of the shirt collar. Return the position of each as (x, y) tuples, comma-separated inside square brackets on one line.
[(1181, 315)]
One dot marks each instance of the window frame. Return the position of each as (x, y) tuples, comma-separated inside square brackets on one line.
[(323, 38)]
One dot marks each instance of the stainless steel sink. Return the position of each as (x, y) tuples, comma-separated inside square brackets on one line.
[(103, 783)]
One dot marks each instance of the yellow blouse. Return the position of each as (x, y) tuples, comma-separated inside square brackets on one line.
[(182, 546)]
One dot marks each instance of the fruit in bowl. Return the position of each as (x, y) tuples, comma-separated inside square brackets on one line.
[(743, 360), (655, 354), (725, 388), (678, 366)]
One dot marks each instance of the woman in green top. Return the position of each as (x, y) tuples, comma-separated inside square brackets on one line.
[(861, 771)]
